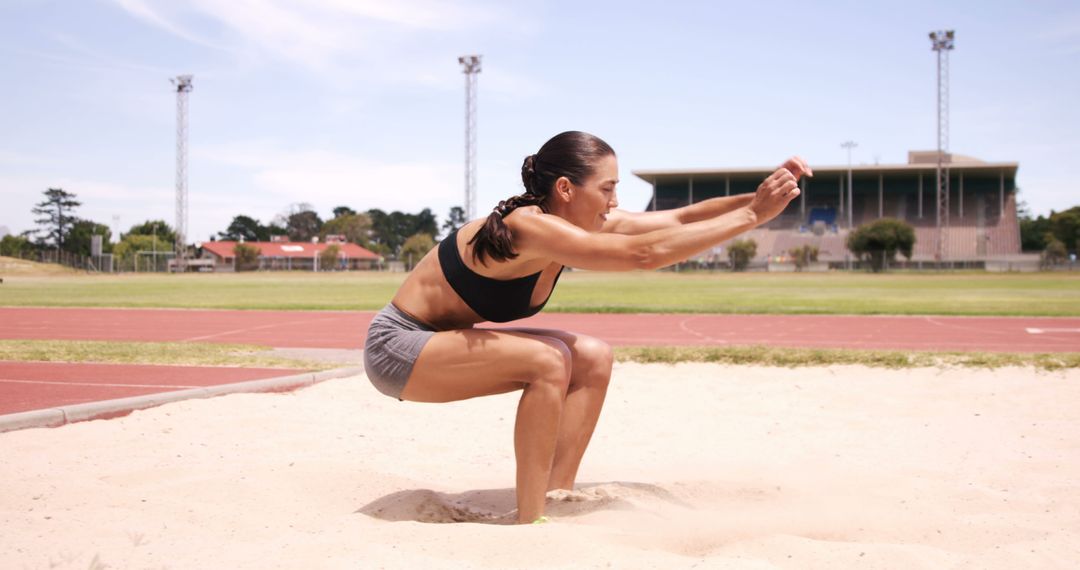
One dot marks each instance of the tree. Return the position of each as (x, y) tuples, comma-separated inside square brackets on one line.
[(82, 232), (300, 222), (379, 249), (355, 227), (1033, 233), (454, 220), (803, 256), (1066, 227), (380, 228), (415, 248), (343, 211), (425, 222), (244, 228), (164, 233), (879, 241), (1036, 234), (740, 252), (247, 257), (57, 213), (328, 258), (394, 228)]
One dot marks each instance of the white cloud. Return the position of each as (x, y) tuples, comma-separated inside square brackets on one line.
[(23, 160), (321, 35), (142, 10)]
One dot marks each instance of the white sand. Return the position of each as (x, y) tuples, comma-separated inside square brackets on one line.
[(692, 466)]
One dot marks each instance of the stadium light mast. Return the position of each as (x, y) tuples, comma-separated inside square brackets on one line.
[(470, 66), (183, 87), (849, 145), (943, 42)]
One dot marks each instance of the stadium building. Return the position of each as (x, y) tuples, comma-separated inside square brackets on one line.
[(982, 231)]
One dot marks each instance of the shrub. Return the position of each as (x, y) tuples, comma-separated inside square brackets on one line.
[(803, 256), (740, 252), (247, 257), (16, 246), (1055, 252), (878, 242), (328, 259)]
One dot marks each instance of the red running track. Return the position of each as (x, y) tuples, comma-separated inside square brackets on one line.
[(331, 329)]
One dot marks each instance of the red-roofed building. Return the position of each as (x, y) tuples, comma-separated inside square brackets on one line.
[(287, 255)]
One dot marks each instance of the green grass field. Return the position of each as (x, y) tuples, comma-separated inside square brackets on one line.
[(960, 293)]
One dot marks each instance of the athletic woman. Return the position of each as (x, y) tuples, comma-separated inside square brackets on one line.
[(423, 347)]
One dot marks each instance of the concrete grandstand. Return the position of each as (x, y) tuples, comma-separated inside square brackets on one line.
[(983, 230)]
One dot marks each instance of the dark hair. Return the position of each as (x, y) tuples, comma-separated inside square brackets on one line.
[(572, 154)]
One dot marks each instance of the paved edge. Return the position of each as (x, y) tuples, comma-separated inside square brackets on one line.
[(63, 415)]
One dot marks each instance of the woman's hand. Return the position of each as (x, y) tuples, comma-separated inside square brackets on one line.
[(779, 189)]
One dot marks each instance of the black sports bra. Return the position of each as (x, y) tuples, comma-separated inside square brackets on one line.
[(496, 300)]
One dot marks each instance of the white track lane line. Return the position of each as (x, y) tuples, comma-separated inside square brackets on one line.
[(685, 326), (270, 326)]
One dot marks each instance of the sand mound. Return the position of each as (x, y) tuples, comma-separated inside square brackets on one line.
[(427, 506), (692, 465), (22, 267)]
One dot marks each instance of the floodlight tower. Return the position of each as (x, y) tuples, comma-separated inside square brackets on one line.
[(470, 66), (183, 87), (943, 42), (849, 145)]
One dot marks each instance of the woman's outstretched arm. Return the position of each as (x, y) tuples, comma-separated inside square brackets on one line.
[(550, 237)]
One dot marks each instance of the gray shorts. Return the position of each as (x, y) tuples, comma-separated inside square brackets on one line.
[(394, 342)]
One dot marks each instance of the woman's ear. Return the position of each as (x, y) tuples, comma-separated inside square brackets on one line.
[(564, 189)]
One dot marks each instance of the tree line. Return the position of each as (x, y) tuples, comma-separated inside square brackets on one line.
[(1056, 236), (394, 235)]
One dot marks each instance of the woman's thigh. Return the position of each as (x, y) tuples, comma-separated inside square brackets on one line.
[(462, 364), (589, 354)]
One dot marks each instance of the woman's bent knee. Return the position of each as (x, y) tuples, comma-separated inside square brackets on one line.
[(594, 357), (553, 363)]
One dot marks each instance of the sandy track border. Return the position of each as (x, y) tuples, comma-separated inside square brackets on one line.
[(105, 409)]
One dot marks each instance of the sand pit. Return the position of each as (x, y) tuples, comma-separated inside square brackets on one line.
[(692, 466)]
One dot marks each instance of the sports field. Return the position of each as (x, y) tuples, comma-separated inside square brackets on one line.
[(956, 293)]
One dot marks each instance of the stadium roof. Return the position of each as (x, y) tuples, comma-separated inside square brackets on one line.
[(918, 161)]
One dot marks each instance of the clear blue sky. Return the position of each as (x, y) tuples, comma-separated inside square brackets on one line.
[(361, 102)]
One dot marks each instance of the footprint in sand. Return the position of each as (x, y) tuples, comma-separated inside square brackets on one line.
[(496, 506)]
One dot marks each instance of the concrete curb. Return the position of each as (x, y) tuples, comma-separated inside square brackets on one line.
[(63, 415)]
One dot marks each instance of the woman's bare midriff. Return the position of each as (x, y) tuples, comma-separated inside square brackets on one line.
[(428, 297)]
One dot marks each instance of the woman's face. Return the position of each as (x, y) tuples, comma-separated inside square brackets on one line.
[(595, 196)]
